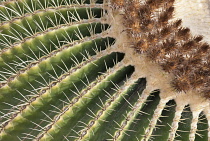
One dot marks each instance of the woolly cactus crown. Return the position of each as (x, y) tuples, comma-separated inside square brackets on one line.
[(100, 70)]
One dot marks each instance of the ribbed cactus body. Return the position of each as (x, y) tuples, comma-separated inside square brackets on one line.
[(68, 71)]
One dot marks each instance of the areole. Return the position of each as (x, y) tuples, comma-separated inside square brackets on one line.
[(104, 70)]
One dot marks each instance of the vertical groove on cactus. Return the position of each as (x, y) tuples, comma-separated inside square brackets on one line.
[(101, 70)]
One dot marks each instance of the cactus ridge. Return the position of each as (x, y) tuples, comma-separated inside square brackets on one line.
[(70, 70), (42, 49), (62, 50), (50, 83)]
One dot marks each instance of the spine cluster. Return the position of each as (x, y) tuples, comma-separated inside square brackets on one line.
[(155, 33), (68, 72)]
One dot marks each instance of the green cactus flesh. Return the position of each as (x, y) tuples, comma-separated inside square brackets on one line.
[(66, 73)]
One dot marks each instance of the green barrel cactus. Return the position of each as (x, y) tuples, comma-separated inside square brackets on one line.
[(86, 70)]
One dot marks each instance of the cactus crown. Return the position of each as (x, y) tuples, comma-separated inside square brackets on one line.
[(169, 44), (101, 70)]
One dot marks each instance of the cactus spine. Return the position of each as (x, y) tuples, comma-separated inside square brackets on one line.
[(84, 70)]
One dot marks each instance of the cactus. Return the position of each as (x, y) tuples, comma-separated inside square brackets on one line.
[(100, 70)]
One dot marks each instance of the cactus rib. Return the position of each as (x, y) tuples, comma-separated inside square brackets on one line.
[(102, 70)]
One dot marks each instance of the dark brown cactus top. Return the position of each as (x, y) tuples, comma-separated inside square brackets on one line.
[(154, 32)]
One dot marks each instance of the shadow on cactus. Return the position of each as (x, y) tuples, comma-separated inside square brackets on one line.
[(100, 70)]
